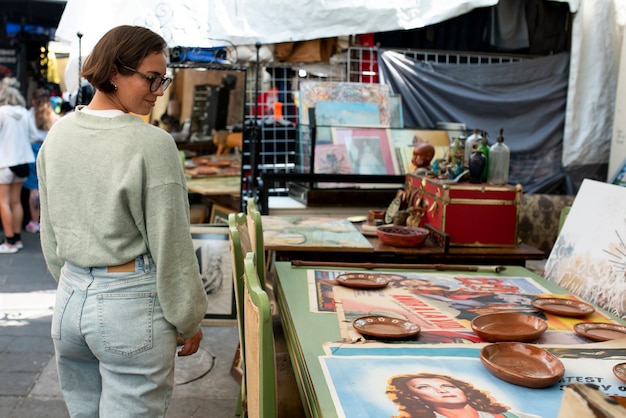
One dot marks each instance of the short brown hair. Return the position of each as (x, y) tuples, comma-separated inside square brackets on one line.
[(121, 46)]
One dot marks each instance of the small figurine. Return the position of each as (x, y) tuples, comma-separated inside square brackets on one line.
[(423, 154)]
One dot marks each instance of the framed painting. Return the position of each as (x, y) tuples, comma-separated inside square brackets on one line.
[(404, 141), (369, 149), (212, 247), (219, 214)]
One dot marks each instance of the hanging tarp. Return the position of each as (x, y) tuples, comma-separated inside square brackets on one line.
[(205, 23), (526, 99)]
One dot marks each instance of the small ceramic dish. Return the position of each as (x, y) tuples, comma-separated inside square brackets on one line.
[(563, 307), (385, 327), (619, 370), (357, 219), (508, 326), (402, 236), (362, 280), (522, 364), (600, 331)]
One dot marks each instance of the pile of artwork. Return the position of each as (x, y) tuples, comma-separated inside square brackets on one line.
[(358, 129)]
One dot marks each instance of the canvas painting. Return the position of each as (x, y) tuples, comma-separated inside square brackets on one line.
[(369, 150), (404, 141), (312, 92), (335, 113), (395, 111), (213, 253), (589, 256), (332, 159)]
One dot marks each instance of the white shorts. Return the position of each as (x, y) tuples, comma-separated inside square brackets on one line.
[(9, 177)]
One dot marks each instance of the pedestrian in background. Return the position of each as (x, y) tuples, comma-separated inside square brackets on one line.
[(115, 235), (17, 131), (44, 116)]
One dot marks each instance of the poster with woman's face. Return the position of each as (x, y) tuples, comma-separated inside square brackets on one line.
[(433, 380)]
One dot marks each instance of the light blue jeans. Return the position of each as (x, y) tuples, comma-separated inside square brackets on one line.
[(114, 349)]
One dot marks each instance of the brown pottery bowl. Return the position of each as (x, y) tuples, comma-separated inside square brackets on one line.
[(522, 364), (508, 326), (402, 236)]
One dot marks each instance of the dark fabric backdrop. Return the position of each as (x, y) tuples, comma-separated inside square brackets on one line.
[(526, 99)]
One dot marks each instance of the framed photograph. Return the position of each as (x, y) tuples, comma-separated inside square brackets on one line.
[(369, 149), (212, 248), (219, 214)]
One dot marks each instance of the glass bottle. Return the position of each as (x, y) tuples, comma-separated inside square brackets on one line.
[(499, 160), (471, 142), (484, 148), (477, 162)]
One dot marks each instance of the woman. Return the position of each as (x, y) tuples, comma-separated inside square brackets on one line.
[(115, 235), (44, 116), (17, 131), (430, 395)]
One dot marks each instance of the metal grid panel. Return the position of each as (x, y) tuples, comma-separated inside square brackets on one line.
[(282, 147)]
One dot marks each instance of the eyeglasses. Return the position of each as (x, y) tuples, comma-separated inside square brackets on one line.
[(156, 81)]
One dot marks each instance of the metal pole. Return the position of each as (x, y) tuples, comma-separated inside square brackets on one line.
[(80, 64), (256, 140)]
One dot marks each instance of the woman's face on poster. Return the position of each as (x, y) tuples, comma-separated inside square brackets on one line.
[(437, 392)]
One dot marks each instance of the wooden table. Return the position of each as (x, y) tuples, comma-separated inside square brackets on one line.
[(315, 358), (215, 186), (359, 249)]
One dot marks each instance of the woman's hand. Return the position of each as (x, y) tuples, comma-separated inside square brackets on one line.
[(191, 345)]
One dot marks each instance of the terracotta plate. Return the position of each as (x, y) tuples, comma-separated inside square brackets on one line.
[(362, 280), (385, 327), (600, 331), (522, 364), (619, 370), (563, 307), (357, 219), (508, 326)]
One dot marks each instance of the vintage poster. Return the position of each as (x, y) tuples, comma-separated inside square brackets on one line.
[(312, 232), (442, 305), (368, 382)]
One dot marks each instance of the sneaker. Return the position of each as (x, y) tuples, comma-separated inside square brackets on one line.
[(32, 227), (5, 248), (19, 245)]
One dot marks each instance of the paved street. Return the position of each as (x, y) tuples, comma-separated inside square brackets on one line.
[(28, 378)]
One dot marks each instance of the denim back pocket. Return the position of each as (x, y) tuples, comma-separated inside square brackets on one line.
[(125, 321), (62, 298)]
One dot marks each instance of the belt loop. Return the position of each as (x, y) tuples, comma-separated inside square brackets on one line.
[(146, 263)]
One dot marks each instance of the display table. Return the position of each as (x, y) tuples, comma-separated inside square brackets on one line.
[(312, 238), (341, 374)]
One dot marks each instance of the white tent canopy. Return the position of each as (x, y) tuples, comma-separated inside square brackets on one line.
[(244, 22)]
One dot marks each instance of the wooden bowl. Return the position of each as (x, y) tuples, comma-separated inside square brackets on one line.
[(402, 236), (508, 326), (522, 364)]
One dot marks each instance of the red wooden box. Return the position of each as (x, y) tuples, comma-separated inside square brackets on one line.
[(471, 214)]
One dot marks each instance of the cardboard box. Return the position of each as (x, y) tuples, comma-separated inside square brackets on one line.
[(471, 214)]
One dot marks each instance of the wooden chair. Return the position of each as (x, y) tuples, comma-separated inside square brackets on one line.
[(255, 229), (239, 246), (260, 370), (289, 401)]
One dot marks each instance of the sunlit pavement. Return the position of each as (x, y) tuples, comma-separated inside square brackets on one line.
[(29, 385)]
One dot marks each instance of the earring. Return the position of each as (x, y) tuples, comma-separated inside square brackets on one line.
[(114, 85)]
